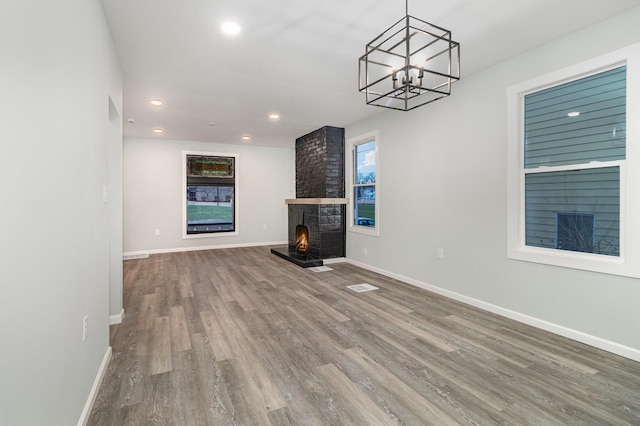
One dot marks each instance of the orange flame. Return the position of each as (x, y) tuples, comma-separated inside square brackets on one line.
[(302, 239)]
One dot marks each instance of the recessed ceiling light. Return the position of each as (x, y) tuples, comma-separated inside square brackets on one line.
[(230, 28), (211, 123), (158, 131), (246, 138), (574, 113), (156, 102), (274, 117), (131, 120)]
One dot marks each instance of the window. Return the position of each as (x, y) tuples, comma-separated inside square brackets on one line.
[(569, 166), (574, 146), (363, 178), (210, 193)]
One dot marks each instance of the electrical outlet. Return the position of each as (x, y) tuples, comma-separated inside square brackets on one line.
[(264, 226), (440, 253), (157, 232), (85, 328), (364, 251)]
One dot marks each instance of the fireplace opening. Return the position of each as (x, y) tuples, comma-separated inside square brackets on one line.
[(302, 240)]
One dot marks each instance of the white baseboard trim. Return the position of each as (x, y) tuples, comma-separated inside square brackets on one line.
[(597, 342), (135, 256), (116, 319), (334, 260), (183, 249), (88, 406)]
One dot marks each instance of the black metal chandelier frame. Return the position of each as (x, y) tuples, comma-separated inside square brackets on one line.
[(410, 64)]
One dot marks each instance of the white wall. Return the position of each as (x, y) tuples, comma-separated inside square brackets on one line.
[(59, 69), (443, 185), (153, 194)]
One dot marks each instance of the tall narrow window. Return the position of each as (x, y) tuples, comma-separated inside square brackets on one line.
[(364, 185), (210, 194)]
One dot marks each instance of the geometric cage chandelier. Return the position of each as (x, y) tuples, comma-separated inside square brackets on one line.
[(410, 64)]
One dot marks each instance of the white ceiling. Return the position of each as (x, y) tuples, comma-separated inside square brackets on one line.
[(298, 57)]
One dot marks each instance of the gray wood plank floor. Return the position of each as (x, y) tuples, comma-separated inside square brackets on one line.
[(242, 337)]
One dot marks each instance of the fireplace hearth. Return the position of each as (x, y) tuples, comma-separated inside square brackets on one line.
[(317, 217)]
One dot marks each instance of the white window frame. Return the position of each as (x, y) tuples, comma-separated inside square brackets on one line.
[(628, 263), (351, 143), (236, 204)]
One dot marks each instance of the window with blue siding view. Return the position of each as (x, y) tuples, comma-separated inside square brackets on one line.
[(574, 147)]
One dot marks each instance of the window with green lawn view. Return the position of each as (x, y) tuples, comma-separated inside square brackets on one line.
[(364, 184), (210, 194)]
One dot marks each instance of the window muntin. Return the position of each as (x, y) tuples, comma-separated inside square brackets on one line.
[(210, 207), (364, 187), (574, 146)]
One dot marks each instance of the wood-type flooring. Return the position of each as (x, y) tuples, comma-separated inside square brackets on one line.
[(243, 337)]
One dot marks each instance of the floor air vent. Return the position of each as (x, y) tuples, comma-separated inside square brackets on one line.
[(362, 287), (320, 269)]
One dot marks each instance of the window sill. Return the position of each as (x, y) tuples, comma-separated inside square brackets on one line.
[(574, 260), (209, 235), (374, 232)]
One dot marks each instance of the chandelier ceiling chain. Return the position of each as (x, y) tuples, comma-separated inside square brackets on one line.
[(410, 64)]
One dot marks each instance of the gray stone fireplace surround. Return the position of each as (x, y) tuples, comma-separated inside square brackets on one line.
[(320, 200)]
